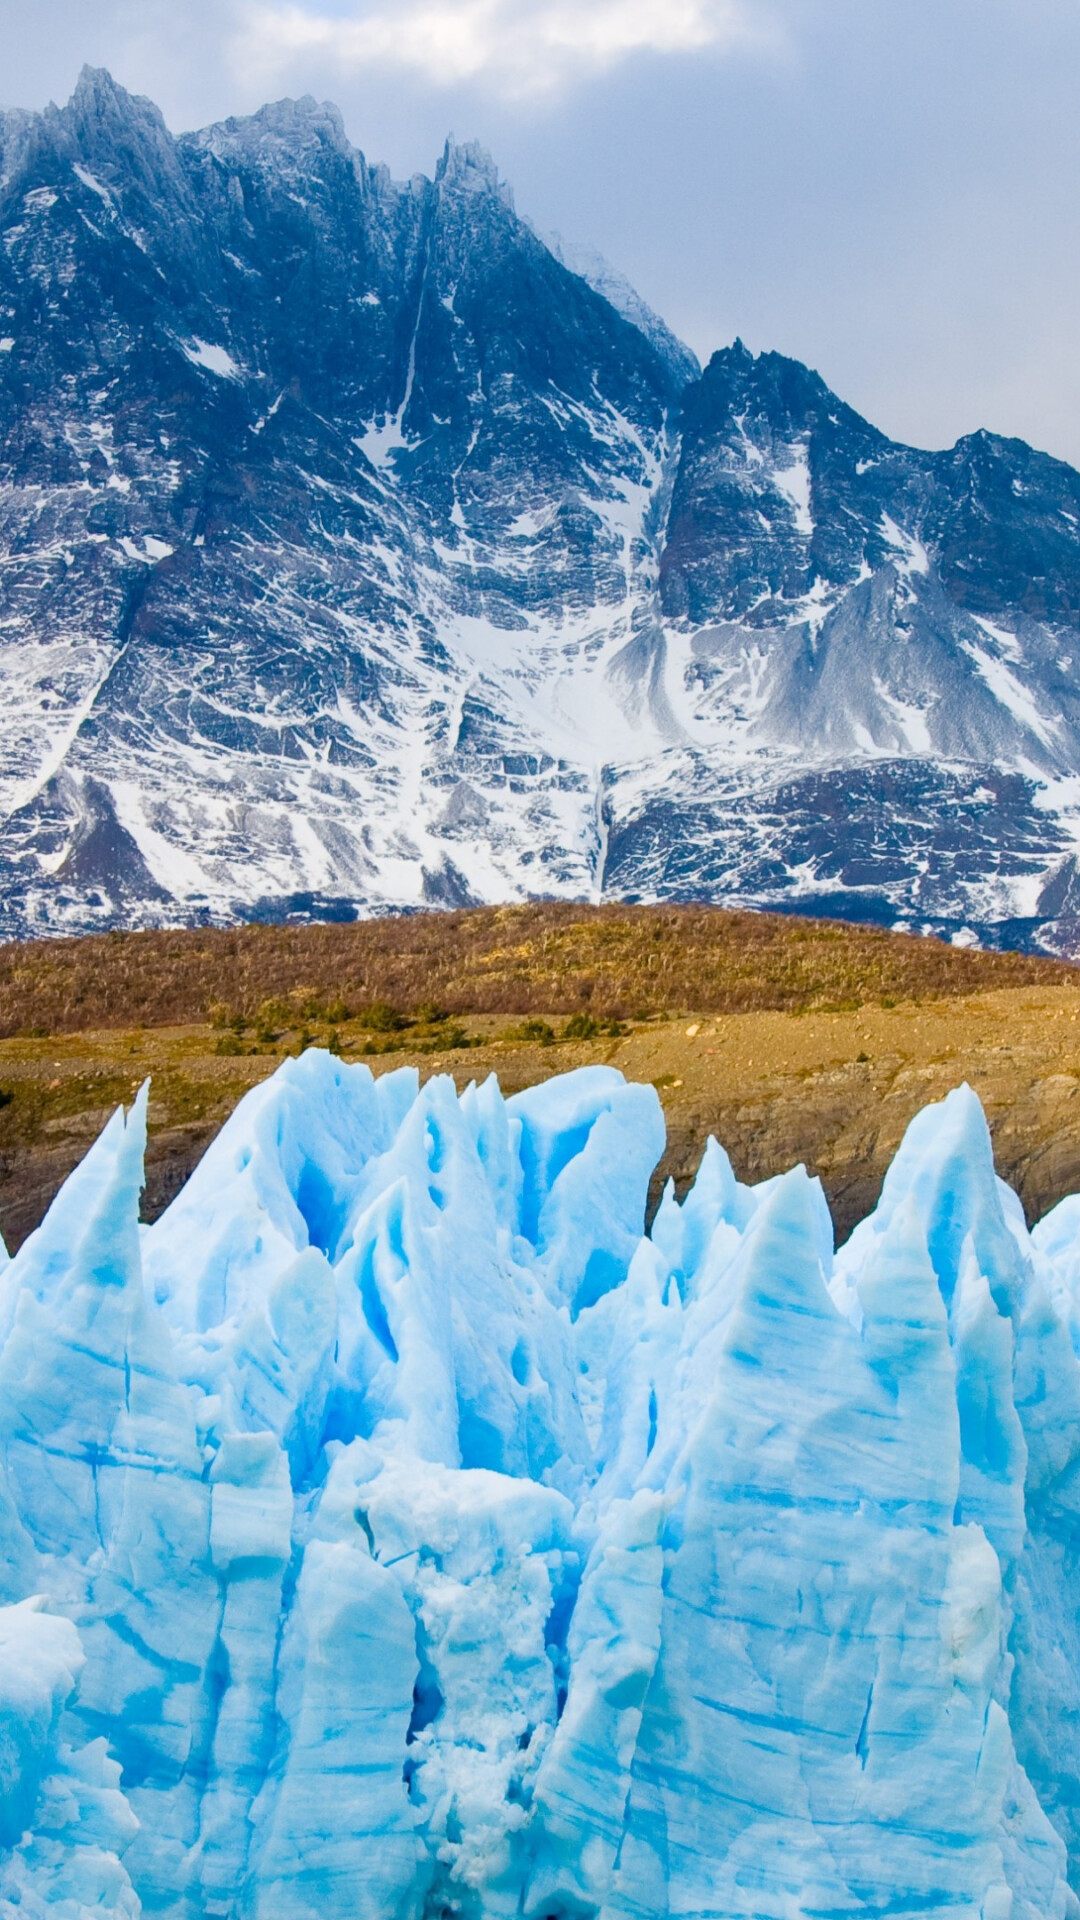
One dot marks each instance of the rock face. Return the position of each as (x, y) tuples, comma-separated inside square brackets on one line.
[(438, 1543), (355, 552), (886, 642)]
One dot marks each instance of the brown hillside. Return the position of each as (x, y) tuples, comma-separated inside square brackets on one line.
[(790, 1040), (611, 962)]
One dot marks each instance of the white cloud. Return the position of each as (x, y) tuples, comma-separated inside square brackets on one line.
[(519, 46)]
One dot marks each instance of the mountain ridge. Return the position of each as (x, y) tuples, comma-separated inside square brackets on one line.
[(358, 555)]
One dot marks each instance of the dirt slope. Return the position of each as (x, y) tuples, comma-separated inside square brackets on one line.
[(834, 1088)]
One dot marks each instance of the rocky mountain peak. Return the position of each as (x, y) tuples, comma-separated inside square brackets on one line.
[(300, 129), (97, 96), (467, 167), (590, 265), (742, 393), (124, 131)]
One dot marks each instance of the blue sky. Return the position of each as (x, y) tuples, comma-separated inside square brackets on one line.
[(887, 189)]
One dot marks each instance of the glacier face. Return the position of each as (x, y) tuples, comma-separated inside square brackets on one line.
[(360, 550), (395, 1528)]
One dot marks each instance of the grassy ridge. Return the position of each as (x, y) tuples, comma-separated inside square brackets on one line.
[(612, 963)]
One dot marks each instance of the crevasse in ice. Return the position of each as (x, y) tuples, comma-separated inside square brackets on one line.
[(395, 1529)]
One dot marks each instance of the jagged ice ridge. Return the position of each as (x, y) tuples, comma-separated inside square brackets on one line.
[(394, 1528)]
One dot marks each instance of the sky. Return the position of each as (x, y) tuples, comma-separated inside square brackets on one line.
[(886, 189)]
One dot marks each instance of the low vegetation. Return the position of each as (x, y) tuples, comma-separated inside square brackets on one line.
[(591, 966), (790, 1040)]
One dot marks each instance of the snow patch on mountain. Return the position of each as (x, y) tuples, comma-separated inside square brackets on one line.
[(214, 359), (794, 484)]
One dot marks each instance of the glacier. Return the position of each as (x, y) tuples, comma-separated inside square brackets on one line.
[(397, 1528)]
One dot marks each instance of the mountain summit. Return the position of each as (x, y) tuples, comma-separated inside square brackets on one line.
[(358, 553)]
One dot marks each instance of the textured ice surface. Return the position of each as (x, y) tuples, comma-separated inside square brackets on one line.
[(394, 1529)]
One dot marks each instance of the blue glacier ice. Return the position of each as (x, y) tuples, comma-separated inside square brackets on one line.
[(395, 1530)]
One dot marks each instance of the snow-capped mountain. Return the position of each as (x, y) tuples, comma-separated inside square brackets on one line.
[(355, 552)]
